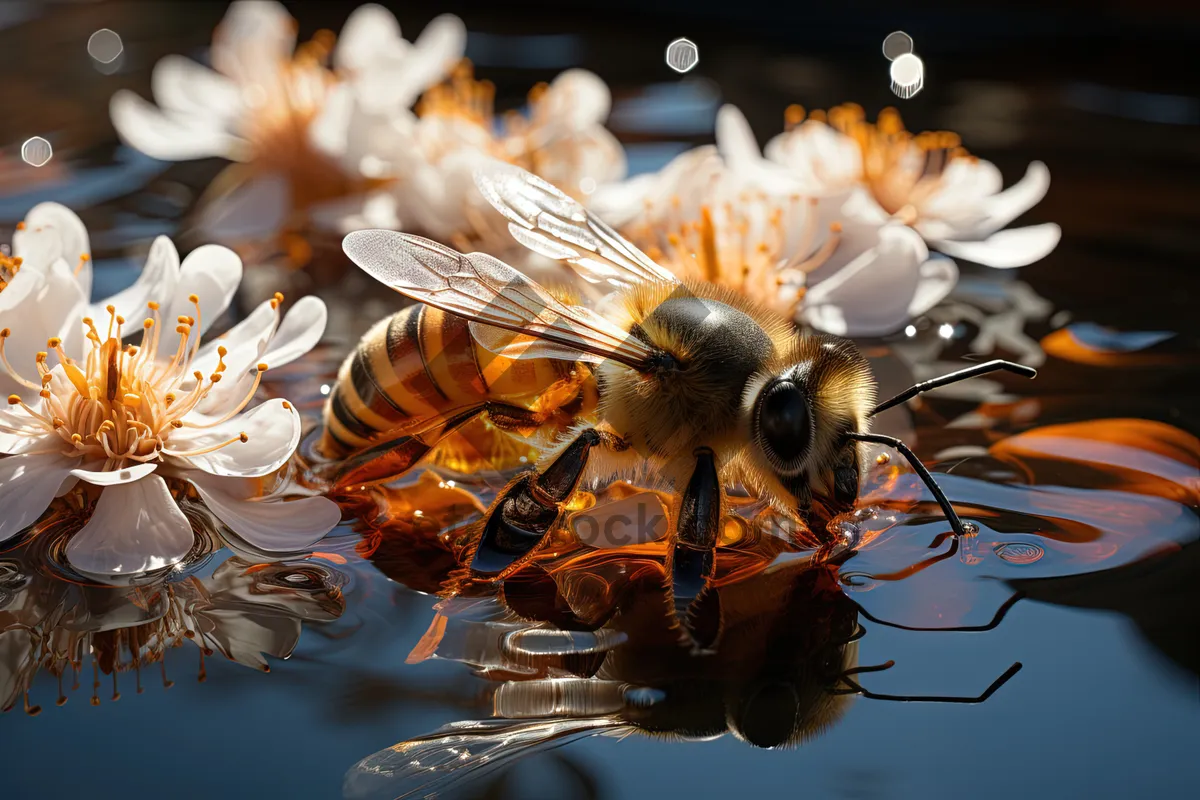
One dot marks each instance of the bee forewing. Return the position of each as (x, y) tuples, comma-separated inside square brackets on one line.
[(550, 223), (461, 750), (486, 290)]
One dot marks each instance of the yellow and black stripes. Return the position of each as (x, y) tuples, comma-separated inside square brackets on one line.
[(421, 364)]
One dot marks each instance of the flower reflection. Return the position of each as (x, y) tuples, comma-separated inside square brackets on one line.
[(282, 111), (242, 611), (127, 430)]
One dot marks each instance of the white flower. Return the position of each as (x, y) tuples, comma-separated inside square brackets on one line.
[(431, 155), (926, 181), (280, 109), (126, 426), (729, 216)]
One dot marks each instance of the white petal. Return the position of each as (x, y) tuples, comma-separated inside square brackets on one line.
[(210, 272), (871, 295), (329, 132), (272, 431), (253, 41), (28, 436), (576, 100), (36, 307), (181, 85), (273, 525), (115, 477), (937, 280), (1010, 248), (245, 342), (27, 485), (54, 231), (135, 527), (301, 330), (370, 32), (157, 283), (1014, 201), (168, 137)]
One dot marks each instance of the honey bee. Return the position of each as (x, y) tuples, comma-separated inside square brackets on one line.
[(694, 384), (786, 670)]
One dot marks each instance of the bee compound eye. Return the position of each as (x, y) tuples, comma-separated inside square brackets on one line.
[(784, 422), (770, 715)]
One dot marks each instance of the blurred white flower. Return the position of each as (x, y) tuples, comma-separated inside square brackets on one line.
[(729, 216), (926, 181), (138, 424), (431, 155), (282, 109)]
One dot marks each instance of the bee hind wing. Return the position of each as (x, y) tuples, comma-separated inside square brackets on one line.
[(548, 222), (487, 291), (461, 750)]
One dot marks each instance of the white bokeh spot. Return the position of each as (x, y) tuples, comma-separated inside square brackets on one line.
[(682, 55), (908, 75), (36, 152), (897, 43), (105, 46)]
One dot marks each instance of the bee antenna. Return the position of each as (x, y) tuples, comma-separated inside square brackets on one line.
[(856, 688), (900, 447), (955, 377), (1000, 614)]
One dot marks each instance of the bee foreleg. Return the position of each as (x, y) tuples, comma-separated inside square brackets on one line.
[(527, 510), (693, 556)]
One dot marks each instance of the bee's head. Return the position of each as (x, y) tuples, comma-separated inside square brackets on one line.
[(798, 409)]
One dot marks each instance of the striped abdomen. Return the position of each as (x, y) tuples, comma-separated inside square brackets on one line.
[(422, 364)]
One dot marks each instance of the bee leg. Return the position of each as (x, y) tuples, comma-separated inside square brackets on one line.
[(511, 418), (527, 510), (694, 553)]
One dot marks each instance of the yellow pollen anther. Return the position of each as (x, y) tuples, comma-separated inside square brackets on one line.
[(13, 399), (111, 309), (21, 225), (153, 306), (222, 352), (193, 298), (148, 323), (243, 437), (4, 334), (176, 423), (85, 257), (262, 368)]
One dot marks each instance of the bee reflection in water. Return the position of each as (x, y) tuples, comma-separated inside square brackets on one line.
[(784, 668)]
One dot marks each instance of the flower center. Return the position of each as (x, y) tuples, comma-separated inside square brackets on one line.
[(900, 168), (123, 402), (727, 246)]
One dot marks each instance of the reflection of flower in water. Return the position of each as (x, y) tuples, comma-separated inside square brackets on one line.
[(243, 611), (130, 429), (281, 112)]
